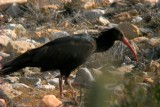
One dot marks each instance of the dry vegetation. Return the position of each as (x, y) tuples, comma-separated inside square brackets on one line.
[(133, 91)]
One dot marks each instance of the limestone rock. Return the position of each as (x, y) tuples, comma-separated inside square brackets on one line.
[(93, 14), (18, 29), (46, 87), (45, 4), (19, 47), (9, 91), (103, 20), (54, 81), (10, 33), (83, 77), (30, 81), (14, 10), (140, 39), (55, 35), (151, 2), (122, 17), (11, 79), (130, 31), (20, 86), (2, 103), (125, 69), (50, 101), (4, 40), (5, 3), (154, 42)]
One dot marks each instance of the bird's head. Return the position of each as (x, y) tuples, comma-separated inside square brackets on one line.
[(118, 35)]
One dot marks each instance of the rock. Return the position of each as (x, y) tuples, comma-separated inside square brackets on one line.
[(111, 25), (55, 35), (130, 31), (150, 2), (125, 16), (18, 29), (20, 86), (5, 3), (29, 71), (148, 80), (46, 87), (50, 101), (54, 81), (154, 42), (122, 17), (114, 87), (142, 44), (83, 77), (30, 81), (158, 4), (10, 33), (1, 17), (11, 79), (147, 32), (97, 72), (1, 61), (90, 5), (5, 97), (126, 60), (126, 68), (2, 103), (29, 40), (47, 4), (140, 40), (9, 92), (4, 40), (103, 20), (18, 47), (90, 31), (148, 53), (4, 57), (116, 4), (41, 40), (93, 14), (14, 10), (50, 74), (137, 19), (152, 66)]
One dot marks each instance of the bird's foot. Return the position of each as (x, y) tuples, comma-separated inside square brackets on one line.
[(61, 96), (72, 91)]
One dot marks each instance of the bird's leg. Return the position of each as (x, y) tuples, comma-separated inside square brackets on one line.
[(70, 85), (60, 85)]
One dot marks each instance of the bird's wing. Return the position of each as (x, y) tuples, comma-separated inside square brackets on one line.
[(63, 51)]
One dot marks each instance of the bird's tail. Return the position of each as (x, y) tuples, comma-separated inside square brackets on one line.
[(9, 70), (14, 65)]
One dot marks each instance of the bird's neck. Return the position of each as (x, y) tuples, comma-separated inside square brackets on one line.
[(103, 43)]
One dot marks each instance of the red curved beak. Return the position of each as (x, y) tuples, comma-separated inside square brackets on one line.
[(125, 41)]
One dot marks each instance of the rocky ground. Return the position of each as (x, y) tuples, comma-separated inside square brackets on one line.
[(110, 79)]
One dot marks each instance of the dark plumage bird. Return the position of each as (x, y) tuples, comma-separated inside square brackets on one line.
[(66, 53)]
